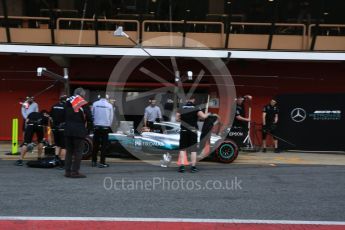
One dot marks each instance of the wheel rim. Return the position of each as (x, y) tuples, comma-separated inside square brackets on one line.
[(227, 151), (86, 148)]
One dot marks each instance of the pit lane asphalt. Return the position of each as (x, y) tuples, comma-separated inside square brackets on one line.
[(276, 192)]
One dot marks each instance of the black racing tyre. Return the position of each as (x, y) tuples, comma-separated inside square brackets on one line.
[(87, 148), (227, 152)]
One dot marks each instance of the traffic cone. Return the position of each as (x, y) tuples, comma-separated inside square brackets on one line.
[(182, 159)]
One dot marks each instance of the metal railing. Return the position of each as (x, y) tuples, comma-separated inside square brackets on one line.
[(16, 26), (98, 26), (265, 24), (184, 29), (284, 29), (23, 21), (335, 33), (116, 22), (337, 29), (188, 23)]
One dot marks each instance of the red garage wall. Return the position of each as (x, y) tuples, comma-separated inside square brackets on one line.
[(18, 80), (261, 79), (264, 80), (11, 94)]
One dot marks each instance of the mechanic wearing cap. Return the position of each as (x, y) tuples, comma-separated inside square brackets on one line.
[(57, 114), (152, 114), (240, 117), (35, 123), (28, 106), (240, 125), (188, 115), (269, 124), (78, 121), (103, 115)]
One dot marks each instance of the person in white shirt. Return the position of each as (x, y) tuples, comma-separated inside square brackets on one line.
[(152, 114), (28, 106), (103, 115)]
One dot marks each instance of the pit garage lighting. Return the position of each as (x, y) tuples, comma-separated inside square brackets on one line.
[(177, 76), (190, 75), (120, 33), (41, 71)]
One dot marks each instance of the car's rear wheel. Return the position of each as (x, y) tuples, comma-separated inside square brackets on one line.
[(227, 152), (87, 148)]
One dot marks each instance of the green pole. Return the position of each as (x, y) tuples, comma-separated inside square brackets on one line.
[(14, 136)]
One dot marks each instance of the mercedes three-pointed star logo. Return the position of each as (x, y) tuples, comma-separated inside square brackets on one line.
[(298, 115)]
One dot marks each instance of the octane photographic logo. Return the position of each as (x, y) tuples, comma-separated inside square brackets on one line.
[(135, 79)]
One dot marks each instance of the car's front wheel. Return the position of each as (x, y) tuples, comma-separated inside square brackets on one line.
[(87, 148), (227, 152)]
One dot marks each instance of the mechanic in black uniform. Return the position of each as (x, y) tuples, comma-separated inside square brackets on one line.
[(35, 123), (269, 124), (57, 114), (168, 107), (188, 115), (78, 122), (240, 126)]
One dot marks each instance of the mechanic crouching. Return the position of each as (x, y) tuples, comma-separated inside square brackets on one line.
[(35, 123), (103, 114)]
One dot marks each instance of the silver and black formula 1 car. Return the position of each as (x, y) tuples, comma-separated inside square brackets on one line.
[(164, 138)]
